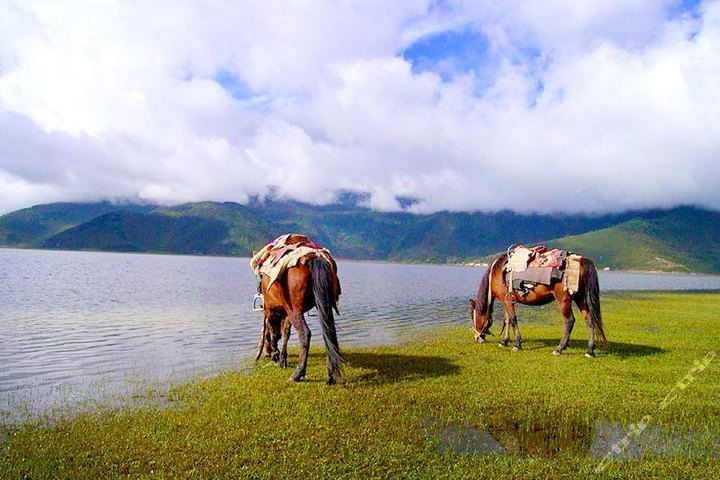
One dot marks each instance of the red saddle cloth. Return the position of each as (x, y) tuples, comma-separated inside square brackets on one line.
[(545, 258)]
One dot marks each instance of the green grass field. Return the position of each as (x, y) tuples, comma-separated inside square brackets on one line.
[(408, 411)]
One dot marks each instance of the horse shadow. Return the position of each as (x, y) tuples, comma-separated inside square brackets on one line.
[(387, 368), (618, 349)]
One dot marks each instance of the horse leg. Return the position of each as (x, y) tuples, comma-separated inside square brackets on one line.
[(275, 350), (506, 327), (261, 343), (512, 318), (298, 321), (286, 325), (270, 342), (583, 306), (565, 304), (273, 337)]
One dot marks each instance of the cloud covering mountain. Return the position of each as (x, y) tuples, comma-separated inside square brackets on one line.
[(532, 105)]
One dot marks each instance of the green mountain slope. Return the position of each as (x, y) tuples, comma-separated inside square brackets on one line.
[(245, 229), (27, 227), (137, 232), (685, 239)]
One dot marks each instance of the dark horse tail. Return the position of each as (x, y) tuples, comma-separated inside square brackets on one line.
[(592, 298), (323, 282)]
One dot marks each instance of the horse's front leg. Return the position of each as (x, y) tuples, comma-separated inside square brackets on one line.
[(285, 325), (263, 339), (512, 320), (274, 340), (506, 329), (298, 321)]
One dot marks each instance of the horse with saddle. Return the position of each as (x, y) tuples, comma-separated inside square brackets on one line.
[(297, 275), (537, 276)]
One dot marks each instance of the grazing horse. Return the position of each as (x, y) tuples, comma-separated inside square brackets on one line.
[(493, 286), (312, 283)]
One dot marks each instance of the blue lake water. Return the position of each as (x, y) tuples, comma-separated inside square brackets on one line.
[(78, 326)]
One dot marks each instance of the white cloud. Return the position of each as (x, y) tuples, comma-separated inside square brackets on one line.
[(106, 99)]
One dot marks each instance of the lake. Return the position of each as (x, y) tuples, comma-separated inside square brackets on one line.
[(80, 327)]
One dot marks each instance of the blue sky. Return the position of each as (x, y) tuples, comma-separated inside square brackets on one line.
[(233, 85), (452, 53)]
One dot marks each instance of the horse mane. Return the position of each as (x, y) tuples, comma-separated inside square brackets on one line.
[(483, 293), (483, 300)]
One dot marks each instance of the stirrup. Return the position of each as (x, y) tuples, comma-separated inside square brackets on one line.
[(255, 308)]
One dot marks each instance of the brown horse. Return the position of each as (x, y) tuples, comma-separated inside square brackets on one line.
[(493, 286), (310, 284)]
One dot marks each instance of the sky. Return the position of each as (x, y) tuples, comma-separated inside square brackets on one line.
[(527, 105)]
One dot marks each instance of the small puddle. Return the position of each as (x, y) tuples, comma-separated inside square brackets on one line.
[(613, 439), (604, 439), (462, 439)]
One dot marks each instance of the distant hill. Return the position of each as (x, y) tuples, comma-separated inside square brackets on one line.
[(26, 227), (137, 232), (683, 240), (626, 240)]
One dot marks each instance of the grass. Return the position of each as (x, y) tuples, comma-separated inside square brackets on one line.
[(381, 423)]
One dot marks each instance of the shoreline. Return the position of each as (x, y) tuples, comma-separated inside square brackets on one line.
[(340, 259)]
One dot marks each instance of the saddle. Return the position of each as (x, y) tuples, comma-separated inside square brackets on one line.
[(285, 252), (528, 267)]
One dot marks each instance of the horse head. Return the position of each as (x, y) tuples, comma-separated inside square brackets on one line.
[(481, 322)]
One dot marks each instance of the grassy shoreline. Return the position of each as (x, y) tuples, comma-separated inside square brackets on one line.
[(388, 420)]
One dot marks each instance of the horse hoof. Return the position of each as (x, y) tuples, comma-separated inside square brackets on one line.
[(556, 352), (517, 349), (502, 345), (479, 340), (294, 378), (589, 355)]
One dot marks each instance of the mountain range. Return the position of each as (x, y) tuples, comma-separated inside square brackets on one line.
[(679, 239)]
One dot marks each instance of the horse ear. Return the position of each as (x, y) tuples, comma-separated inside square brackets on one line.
[(472, 304)]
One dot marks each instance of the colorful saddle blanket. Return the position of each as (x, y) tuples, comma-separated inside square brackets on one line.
[(285, 252), (527, 267)]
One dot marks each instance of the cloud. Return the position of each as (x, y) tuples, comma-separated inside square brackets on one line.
[(598, 106)]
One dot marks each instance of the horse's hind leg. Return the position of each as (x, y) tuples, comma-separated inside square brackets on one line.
[(298, 321), (582, 305), (565, 304)]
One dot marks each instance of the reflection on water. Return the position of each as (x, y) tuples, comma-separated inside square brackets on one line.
[(79, 325)]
